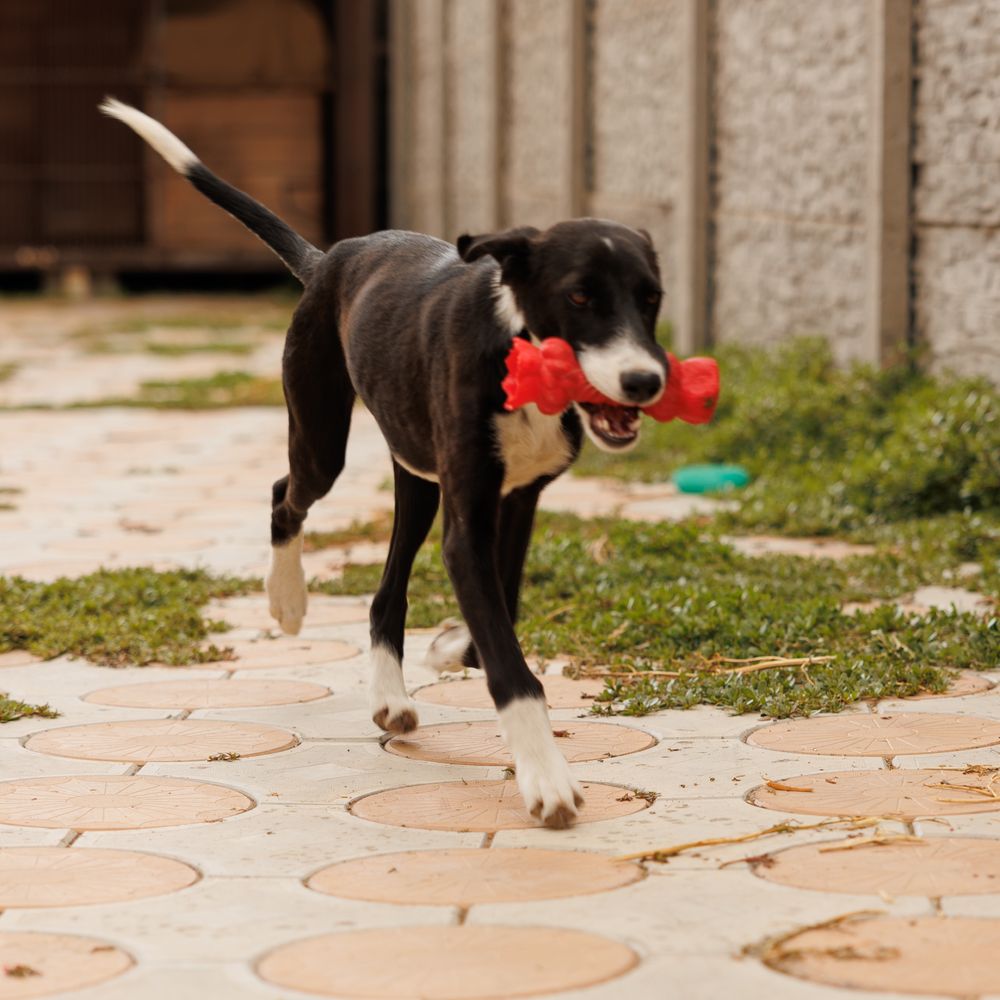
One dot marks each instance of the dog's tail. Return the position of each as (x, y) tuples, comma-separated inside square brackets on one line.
[(299, 255)]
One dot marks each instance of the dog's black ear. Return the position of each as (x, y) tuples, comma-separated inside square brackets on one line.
[(644, 233), (501, 246)]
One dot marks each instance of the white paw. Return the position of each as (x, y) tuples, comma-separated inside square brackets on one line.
[(549, 790), (543, 776), (392, 708), (286, 586), (448, 649)]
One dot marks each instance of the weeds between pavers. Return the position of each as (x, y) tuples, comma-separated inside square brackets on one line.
[(116, 617), (634, 597), (214, 392), (11, 709), (629, 597)]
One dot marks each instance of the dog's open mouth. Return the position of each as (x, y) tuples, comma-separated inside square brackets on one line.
[(616, 426)]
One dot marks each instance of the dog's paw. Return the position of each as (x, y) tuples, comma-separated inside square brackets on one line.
[(447, 652), (549, 790), (286, 586), (392, 708), (397, 719)]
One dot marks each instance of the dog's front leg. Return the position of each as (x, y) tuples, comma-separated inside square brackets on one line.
[(471, 505)]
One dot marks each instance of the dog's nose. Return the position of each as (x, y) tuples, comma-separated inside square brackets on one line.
[(640, 387)]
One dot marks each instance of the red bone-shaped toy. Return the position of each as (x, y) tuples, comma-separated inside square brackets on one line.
[(551, 377)]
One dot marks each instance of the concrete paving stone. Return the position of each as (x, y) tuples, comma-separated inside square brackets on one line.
[(221, 919), (168, 981), (692, 912), (58, 962), (670, 822), (985, 704), (709, 768), (321, 773), (709, 977), (290, 841), (810, 548), (17, 762)]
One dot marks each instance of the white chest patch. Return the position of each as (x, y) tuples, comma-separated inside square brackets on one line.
[(531, 444)]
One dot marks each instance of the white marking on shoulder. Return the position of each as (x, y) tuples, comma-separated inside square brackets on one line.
[(543, 776), (391, 707), (286, 585), (604, 364), (508, 312), (158, 136), (606, 240), (531, 444)]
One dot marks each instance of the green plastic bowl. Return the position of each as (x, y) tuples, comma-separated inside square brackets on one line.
[(713, 478)]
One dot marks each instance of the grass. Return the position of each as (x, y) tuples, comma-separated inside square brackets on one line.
[(12, 709), (8, 369), (638, 597), (833, 450), (224, 389), (378, 530), (175, 350), (116, 617)]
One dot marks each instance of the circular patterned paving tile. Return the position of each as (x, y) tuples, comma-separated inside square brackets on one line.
[(481, 743), (965, 683), (144, 740), (59, 876), (447, 963), (18, 658), (465, 876), (560, 692), (482, 806), (54, 963), (116, 802), (253, 612), (953, 956), (935, 866), (267, 653), (901, 794), (864, 735), (195, 694)]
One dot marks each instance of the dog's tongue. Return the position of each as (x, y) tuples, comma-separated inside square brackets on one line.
[(620, 418)]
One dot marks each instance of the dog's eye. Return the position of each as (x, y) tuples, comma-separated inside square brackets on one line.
[(653, 298), (579, 298)]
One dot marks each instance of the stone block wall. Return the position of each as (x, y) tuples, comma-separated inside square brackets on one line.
[(956, 195), (810, 115)]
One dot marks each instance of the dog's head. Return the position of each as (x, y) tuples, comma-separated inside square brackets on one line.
[(595, 284)]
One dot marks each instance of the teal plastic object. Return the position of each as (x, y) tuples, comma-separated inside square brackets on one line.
[(710, 478)]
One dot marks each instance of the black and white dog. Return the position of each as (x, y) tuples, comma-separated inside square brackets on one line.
[(420, 330)]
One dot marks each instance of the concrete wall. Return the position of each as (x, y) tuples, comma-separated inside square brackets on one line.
[(956, 194), (766, 144), (790, 145)]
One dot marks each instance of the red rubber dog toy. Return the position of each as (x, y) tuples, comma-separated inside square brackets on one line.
[(551, 377)]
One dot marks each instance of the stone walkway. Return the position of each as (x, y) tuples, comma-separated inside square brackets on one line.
[(239, 829)]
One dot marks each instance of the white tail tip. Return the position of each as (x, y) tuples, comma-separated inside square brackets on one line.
[(158, 136)]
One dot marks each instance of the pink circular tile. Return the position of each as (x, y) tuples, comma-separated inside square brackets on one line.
[(900, 794), (481, 743), (143, 740), (933, 866), (950, 956), (482, 806), (265, 654), (19, 658), (467, 876), (39, 965), (864, 735), (966, 682), (253, 612), (49, 570), (195, 694), (116, 802), (61, 876), (130, 545), (471, 962), (560, 692)]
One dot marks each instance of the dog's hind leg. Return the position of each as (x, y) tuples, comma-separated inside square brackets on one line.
[(416, 505), (320, 398), (452, 649)]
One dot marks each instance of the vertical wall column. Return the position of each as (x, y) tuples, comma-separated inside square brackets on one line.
[(401, 130), (690, 311), (888, 195), (576, 136)]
